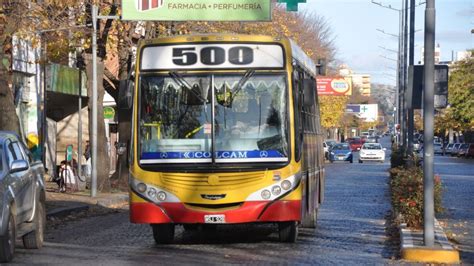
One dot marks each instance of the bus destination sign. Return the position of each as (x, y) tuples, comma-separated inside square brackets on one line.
[(218, 56)]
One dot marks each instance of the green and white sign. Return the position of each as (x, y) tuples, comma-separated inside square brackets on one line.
[(109, 112), (185, 10)]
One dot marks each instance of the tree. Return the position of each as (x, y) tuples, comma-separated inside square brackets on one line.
[(461, 93), (10, 19), (332, 110)]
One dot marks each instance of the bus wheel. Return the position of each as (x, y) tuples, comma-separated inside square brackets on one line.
[(163, 233), (288, 231)]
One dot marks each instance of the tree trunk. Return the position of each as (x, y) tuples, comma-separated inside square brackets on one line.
[(8, 117), (103, 181), (124, 115)]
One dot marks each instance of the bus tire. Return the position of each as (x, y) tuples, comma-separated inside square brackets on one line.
[(288, 231), (7, 242), (163, 233), (35, 238)]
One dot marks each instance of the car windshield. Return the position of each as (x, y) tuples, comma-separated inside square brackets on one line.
[(330, 142), (371, 146), (464, 146), (250, 118), (340, 146)]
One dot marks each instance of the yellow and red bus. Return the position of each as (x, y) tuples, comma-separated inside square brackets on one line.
[(225, 130)]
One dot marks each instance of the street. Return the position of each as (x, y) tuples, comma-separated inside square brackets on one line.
[(457, 175), (351, 228)]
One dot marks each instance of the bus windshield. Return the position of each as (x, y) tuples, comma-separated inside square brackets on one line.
[(249, 113)]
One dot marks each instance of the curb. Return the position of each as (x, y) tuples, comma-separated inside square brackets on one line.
[(65, 211), (413, 249), (113, 202)]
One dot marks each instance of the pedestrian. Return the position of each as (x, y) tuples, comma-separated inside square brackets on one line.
[(88, 155), (87, 151), (67, 177)]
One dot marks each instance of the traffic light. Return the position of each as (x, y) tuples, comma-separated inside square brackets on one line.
[(321, 67)]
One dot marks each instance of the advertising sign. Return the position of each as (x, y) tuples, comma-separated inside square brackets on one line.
[(185, 10), (338, 86), (367, 112), (109, 112)]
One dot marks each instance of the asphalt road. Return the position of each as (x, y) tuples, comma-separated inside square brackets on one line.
[(351, 230), (457, 176)]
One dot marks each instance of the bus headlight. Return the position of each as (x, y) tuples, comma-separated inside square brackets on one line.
[(141, 188), (276, 190), (151, 193), (266, 194), (161, 196), (286, 185)]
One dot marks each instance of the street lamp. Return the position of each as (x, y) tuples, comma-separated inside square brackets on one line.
[(401, 62)]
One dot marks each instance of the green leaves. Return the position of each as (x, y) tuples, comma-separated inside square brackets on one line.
[(461, 93)]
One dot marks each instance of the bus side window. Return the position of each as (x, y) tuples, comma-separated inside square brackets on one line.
[(298, 112)]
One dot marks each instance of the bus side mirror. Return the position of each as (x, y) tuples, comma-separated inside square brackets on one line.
[(126, 94), (309, 89)]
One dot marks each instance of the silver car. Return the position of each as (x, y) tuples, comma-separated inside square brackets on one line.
[(438, 148), (22, 197)]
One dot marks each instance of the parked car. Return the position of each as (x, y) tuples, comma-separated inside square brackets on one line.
[(470, 151), (449, 148), (455, 149), (462, 151), (437, 148), (372, 152), (355, 144), (340, 152), (22, 197)]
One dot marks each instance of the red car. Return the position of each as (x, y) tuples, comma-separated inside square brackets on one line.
[(355, 144)]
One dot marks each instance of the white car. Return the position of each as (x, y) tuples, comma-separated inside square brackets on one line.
[(372, 152)]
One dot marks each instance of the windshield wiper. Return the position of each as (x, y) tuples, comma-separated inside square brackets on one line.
[(183, 83), (241, 83)]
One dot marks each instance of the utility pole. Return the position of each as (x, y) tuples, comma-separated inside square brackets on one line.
[(94, 103), (411, 60), (95, 17), (404, 71), (428, 124), (399, 101)]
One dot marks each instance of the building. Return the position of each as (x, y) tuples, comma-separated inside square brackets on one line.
[(358, 81), (437, 55), (361, 81)]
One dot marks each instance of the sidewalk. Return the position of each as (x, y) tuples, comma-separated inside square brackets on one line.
[(63, 204)]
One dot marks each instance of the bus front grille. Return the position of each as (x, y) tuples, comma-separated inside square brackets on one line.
[(211, 180)]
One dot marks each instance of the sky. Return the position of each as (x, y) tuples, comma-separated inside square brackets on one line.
[(358, 42)]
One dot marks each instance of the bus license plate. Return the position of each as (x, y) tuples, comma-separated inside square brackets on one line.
[(214, 219)]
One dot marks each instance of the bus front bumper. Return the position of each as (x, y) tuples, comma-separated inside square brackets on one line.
[(249, 212)]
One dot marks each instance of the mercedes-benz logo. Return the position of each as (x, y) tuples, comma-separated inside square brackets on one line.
[(164, 155), (263, 154)]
